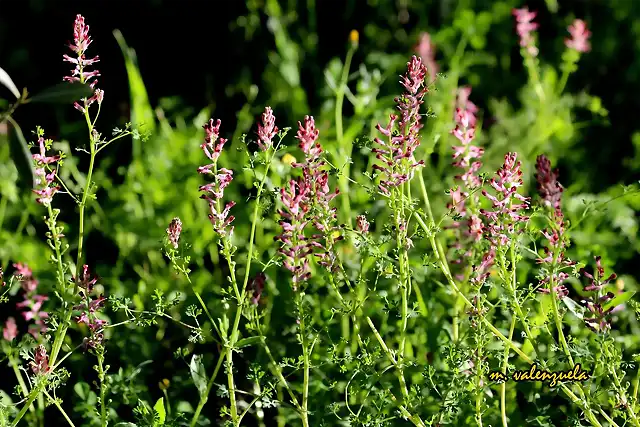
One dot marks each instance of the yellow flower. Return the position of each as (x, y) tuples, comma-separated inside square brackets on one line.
[(354, 37), (288, 159), (164, 384)]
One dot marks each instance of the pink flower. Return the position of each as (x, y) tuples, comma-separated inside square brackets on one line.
[(579, 40), (524, 27), (213, 143), (89, 308), (44, 181), (396, 152), (25, 276), (214, 191), (507, 204), (549, 188), (81, 42), (308, 137), (174, 230), (256, 287), (10, 331), (426, 50), (267, 130), (599, 320), (296, 247), (40, 364), (362, 224)]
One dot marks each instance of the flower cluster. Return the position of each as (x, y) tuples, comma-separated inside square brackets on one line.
[(507, 204), (324, 217), (396, 154), (89, 308), (550, 192), (2, 282), (525, 26), (468, 224), (10, 331), (40, 363), (256, 287), (579, 40), (45, 171), (426, 50), (173, 232), (599, 320), (33, 302), (267, 130), (214, 191), (362, 224), (306, 199), (81, 42), (296, 247), (465, 132)]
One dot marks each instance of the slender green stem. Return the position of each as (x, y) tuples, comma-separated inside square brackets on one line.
[(403, 383), (278, 373), (621, 391), (103, 389), (503, 386), (62, 411), (345, 152), (230, 379), (23, 385), (205, 397), (200, 300)]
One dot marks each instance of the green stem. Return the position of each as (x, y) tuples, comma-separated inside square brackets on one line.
[(305, 361), (205, 397), (503, 386), (23, 385), (62, 411), (278, 373), (343, 180), (101, 377)]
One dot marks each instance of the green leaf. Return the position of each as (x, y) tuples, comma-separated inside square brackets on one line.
[(63, 93), (141, 110), (125, 424), (618, 299), (162, 414), (198, 375), (6, 81), (244, 342), (573, 307), (21, 155)]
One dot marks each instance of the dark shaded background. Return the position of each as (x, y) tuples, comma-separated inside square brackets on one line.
[(188, 48)]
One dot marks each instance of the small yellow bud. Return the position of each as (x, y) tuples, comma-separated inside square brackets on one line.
[(354, 37), (288, 159), (164, 384)]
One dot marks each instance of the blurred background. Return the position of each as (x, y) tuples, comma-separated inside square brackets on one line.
[(178, 63)]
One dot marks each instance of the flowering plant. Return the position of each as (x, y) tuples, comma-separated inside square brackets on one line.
[(301, 290)]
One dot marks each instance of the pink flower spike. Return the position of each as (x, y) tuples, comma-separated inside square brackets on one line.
[(40, 364), (173, 232), (524, 27), (580, 35), (267, 130), (308, 135)]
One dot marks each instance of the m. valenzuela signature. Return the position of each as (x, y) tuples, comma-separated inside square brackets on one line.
[(535, 374)]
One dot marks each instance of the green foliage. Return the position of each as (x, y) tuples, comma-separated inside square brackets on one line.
[(393, 332)]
